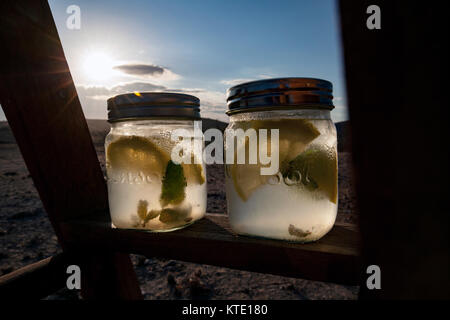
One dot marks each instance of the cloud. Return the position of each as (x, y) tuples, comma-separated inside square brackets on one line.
[(212, 103), (233, 82), (339, 113), (137, 86), (140, 69), (103, 93), (93, 98), (143, 70), (267, 76), (210, 98)]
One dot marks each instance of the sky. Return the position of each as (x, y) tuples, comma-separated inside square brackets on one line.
[(199, 47)]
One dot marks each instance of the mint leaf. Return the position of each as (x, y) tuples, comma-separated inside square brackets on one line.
[(173, 185)]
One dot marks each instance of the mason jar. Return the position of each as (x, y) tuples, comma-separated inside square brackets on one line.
[(147, 188), (296, 198)]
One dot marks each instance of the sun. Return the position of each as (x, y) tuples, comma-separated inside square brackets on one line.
[(98, 66)]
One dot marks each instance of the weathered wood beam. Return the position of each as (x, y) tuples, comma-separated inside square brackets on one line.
[(40, 101), (334, 258)]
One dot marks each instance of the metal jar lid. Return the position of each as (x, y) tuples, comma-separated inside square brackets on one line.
[(141, 105), (280, 93)]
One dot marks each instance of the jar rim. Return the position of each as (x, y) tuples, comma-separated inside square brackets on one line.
[(280, 93), (140, 105)]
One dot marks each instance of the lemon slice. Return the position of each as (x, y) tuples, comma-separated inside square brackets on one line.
[(294, 137), (318, 170), (246, 178), (134, 153), (194, 173)]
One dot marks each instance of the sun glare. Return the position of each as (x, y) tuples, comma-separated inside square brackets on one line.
[(98, 66)]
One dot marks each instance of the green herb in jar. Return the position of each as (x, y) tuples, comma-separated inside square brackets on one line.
[(173, 185)]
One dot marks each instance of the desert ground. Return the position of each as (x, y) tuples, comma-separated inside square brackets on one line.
[(26, 236)]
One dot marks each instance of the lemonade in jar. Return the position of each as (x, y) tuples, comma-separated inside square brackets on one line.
[(298, 201), (146, 188)]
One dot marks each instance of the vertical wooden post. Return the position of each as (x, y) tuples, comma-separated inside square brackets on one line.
[(39, 99), (398, 103)]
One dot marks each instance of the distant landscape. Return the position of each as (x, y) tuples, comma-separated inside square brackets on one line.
[(26, 235)]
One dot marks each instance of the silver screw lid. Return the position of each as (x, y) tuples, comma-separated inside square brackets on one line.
[(280, 93), (140, 105)]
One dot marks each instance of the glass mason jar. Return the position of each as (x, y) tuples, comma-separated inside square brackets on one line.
[(146, 188), (297, 202)]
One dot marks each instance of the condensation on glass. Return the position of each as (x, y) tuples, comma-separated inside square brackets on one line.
[(146, 189), (299, 202)]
